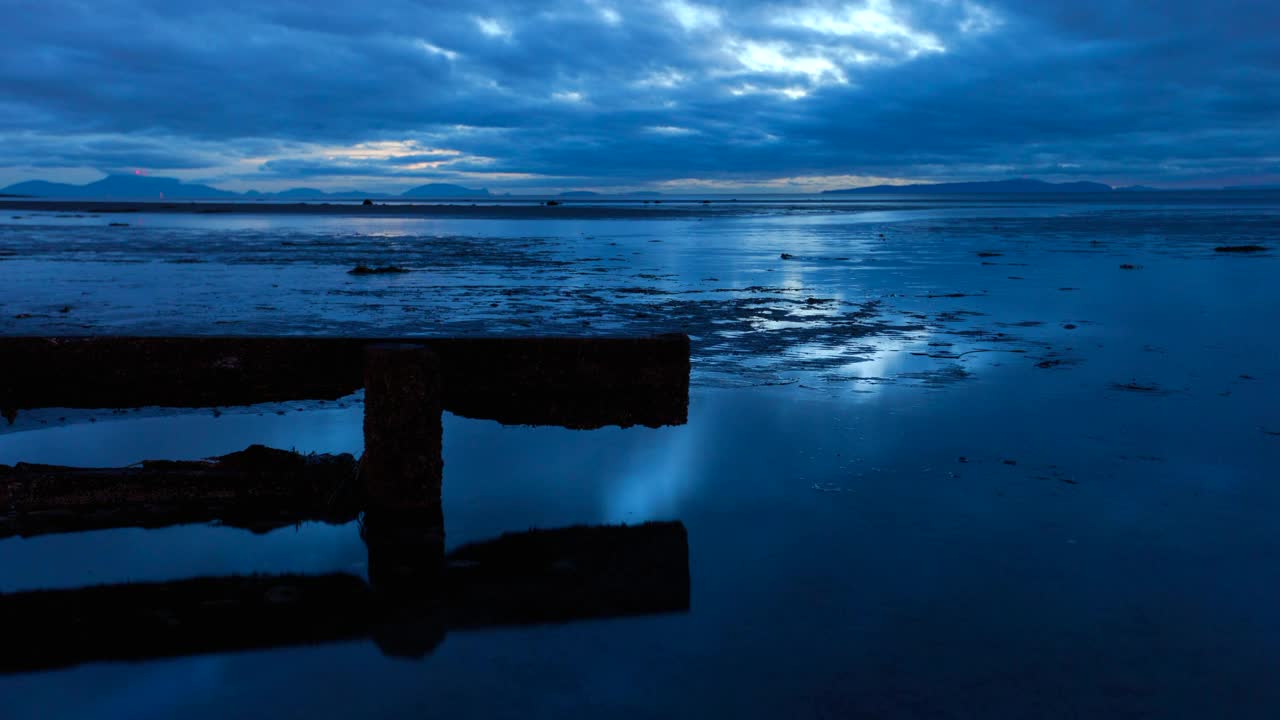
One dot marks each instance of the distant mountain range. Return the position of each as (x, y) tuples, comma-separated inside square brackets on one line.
[(995, 186), (437, 190), (1018, 185), (143, 187), (588, 194), (119, 186)]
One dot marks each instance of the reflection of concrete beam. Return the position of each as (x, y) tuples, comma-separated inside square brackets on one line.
[(568, 574), (59, 628), (257, 488), (522, 578), (575, 382)]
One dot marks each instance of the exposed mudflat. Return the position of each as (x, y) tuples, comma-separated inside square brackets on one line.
[(1006, 457), (859, 289)]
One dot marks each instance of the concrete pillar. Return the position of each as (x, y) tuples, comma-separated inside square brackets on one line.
[(401, 472), (402, 465)]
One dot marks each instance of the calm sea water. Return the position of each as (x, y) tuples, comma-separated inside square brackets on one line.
[(984, 457)]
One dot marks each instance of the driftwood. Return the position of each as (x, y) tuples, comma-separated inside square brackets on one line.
[(573, 382), (524, 578), (258, 488)]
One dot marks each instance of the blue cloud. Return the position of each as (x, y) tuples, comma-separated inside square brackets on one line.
[(565, 93)]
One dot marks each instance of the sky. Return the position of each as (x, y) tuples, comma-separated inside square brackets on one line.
[(606, 95)]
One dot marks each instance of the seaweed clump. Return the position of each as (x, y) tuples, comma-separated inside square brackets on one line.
[(383, 270)]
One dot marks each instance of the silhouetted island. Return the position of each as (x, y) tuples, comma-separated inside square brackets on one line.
[(120, 186), (435, 190)]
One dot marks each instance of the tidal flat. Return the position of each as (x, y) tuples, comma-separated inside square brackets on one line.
[(990, 456)]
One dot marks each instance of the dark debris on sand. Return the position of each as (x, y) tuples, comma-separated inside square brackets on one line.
[(258, 488), (1135, 386), (383, 270)]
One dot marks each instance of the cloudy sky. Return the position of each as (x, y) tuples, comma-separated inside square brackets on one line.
[(607, 94)]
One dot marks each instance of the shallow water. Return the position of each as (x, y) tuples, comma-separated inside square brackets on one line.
[(900, 502)]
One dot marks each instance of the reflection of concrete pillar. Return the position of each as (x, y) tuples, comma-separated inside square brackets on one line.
[(402, 464), (406, 560), (410, 631), (401, 472), (406, 553)]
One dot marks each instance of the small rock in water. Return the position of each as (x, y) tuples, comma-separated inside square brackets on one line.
[(1128, 266), (385, 270), (787, 256), (1135, 386)]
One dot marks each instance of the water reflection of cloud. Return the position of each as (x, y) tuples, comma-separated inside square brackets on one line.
[(112, 441), (656, 481)]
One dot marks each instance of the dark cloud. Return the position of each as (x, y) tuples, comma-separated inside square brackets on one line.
[(524, 93)]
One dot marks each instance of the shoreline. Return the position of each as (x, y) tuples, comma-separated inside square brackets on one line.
[(398, 210)]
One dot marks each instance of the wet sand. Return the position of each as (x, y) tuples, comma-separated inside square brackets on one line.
[(948, 462)]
